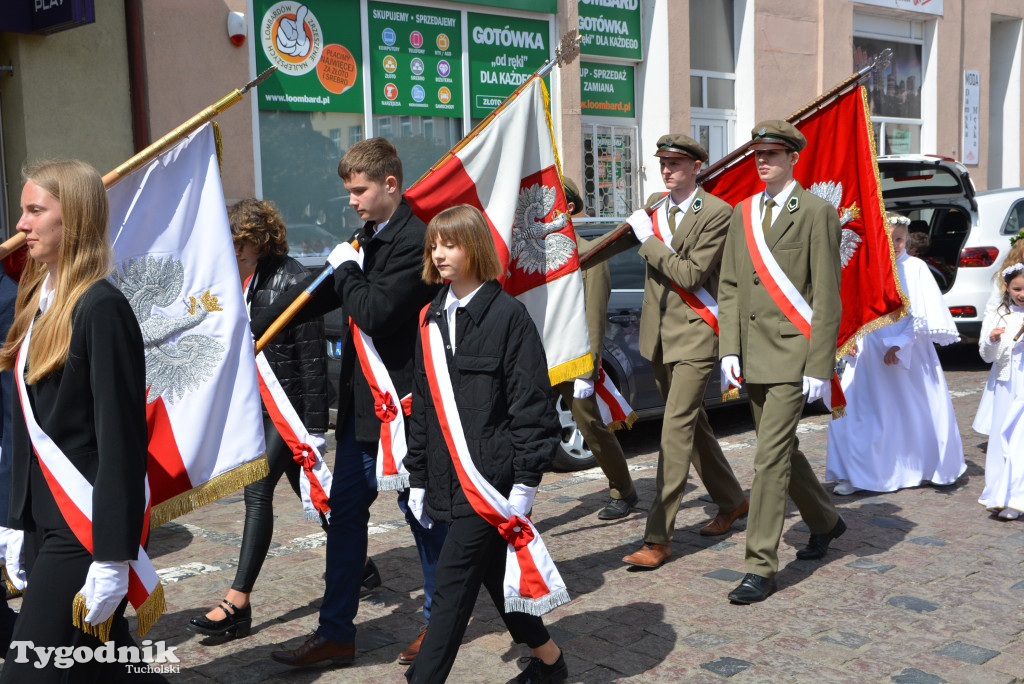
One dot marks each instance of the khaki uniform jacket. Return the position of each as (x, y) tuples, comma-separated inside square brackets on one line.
[(805, 242), (668, 323), (597, 288)]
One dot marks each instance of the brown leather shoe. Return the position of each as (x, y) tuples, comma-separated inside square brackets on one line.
[(723, 521), (649, 556), (315, 650), (407, 656)]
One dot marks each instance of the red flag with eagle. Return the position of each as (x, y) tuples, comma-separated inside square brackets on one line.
[(509, 170), (839, 165)]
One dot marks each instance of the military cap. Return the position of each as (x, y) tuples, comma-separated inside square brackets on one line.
[(572, 193), (777, 133), (679, 145)]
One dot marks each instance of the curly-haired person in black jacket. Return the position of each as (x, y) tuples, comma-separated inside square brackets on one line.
[(298, 357)]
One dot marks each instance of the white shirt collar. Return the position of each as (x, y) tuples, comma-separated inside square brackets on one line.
[(684, 206), (783, 196), (380, 226), (453, 304), (47, 293)]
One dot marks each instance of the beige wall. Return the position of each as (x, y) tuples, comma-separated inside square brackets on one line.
[(68, 97), (190, 64), (569, 150), (787, 68)]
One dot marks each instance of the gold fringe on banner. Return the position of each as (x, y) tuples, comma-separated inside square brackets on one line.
[(11, 591), (839, 412), (619, 424), (573, 368), (730, 394), (208, 492), (218, 141)]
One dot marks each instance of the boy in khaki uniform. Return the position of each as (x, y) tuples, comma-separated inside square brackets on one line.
[(782, 368), (578, 395), (681, 344)]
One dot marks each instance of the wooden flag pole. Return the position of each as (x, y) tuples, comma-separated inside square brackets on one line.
[(161, 145), (853, 81)]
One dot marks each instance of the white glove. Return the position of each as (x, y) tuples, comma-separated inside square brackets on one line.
[(105, 585), (12, 543), (640, 222), (730, 372), (521, 499), (814, 388), (342, 253), (415, 504), (318, 440), (581, 389)]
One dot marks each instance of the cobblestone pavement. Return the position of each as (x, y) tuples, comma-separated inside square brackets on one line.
[(924, 587)]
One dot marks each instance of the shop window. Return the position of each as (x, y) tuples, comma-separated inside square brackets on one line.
[(421, 140), (609, 170), (713, 73), (894, 93)]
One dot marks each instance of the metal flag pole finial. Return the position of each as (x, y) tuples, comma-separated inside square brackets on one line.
[(882, 60)]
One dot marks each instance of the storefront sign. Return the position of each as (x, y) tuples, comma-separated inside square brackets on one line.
[(920, 6), (611, 28), (415, 60), (606, 89), (549, 6), (316, 48), (45, 16), (972, 116), (503, 52)]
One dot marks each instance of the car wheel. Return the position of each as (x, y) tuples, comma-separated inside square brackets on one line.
[(573, 453)]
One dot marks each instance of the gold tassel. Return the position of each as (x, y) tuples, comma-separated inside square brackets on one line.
[(730, 394), (208, 492), (78, 613), (150, 611), (620, 424), (571, 369), (838, 412), (218, 141), (11, 591)]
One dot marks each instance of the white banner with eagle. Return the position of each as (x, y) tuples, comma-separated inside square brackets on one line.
[(509, 169), (175, 262)]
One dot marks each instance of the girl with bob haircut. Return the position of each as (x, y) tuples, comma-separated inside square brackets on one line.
[(505, 406), (466, 227), (83, 379)]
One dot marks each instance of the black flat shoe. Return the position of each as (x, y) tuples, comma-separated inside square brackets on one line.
[(371, 578), (752, 589), (817, 546), (236, 624), (618, 508)]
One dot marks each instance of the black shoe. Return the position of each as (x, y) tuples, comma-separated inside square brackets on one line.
[(235, 623), (537, 672), (371, 578), (817, 547), (618, 508), (752, 589)]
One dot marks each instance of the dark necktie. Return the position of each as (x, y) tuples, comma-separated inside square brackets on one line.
[(672, 220), (766, 222)]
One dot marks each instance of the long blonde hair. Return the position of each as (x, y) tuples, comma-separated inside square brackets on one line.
[(84, 257)]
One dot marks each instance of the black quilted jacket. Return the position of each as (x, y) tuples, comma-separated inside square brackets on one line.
[(298, 355)]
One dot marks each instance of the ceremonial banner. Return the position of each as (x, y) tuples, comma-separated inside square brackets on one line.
[(839, 165), (509, 170), (174, 262)]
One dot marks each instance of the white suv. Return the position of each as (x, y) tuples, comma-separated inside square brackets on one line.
[(969, 231)]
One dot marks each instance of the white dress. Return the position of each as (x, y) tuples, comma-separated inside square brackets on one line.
[(983, 419), (1004, 460), (900, 429)]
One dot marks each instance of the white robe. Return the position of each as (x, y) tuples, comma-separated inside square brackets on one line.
[(1004, 460), (900, 429)]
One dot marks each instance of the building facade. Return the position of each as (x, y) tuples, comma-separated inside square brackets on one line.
[(425, 76)]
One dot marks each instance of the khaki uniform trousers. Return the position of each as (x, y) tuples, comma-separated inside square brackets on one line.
[(780, 467), (601, 441), (686, 437)]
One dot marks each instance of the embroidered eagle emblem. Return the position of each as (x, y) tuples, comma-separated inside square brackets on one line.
[(832, 192), (537, 246), (176, 364)]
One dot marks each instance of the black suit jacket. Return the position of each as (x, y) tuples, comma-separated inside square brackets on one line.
[(95, 410), (384, 299)]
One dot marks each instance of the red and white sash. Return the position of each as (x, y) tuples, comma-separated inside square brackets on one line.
[(73, 495), (782, 291), (700, 300), (315, 477), (392, 447), (532, 583), (615, 410)]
